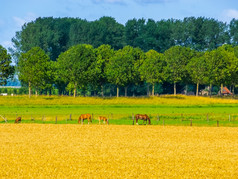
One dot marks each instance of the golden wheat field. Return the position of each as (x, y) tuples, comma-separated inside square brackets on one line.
[(68, 100), (93, 151)]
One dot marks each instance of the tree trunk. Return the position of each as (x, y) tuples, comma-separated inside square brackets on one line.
[(148, 90), (186, 90), (233, 90), (29, 89), (221, 89), (210, 91), (102, 90), (75, 86), (117, 91), (126, 91), (153, 90), (197, 88), (174, 88)]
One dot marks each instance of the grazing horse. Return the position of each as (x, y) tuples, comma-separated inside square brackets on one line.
[(102, 118), (85, 116), (18, 120), (143, 117)]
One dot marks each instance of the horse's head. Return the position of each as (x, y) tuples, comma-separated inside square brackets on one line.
[(149, 120)]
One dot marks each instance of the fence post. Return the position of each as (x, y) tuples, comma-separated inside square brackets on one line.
[(158, 119), (133, 118), (182, 117), (191, 122), (163, 122), (108, 119), (217, 123), (207, 117), (70, 117), (56, 120), (229, 117)]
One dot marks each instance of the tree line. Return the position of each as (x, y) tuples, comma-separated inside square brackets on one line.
[(56, 35), (72, 54), (91, 69)]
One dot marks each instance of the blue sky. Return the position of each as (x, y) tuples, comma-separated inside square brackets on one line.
[(14, 13)]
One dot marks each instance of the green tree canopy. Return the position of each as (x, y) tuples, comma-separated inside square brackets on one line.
[(35, 69), (75, 65), (152, 69), (123, 67), (103, 54), (197, 68), (6, 69), (177, 58)]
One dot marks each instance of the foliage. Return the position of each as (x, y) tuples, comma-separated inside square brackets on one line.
[(152, 69), (35, 69), (75, 65), (177, 58), (123, 67), (6, 69)]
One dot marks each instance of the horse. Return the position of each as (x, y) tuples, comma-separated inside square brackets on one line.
[(143, 117), (102, 118), (85, 116), (18, 120)]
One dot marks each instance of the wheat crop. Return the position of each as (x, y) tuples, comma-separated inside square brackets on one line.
[(92, 151), (67, 100)]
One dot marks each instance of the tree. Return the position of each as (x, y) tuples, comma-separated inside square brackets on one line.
[(75, 66), (197, 69), (177, 58), (152, 69), (233, 29), (48, 33), (219, 63), (103, 54), (123, 68), (6, 69), (34, 69)]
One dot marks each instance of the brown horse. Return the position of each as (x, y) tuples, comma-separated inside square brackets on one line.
[(102, 118), (18, 120), (85, 116), (143, 117)]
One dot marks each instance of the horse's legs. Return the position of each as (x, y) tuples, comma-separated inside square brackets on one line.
[(137, 121)]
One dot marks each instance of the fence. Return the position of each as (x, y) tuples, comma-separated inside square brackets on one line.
[(186, 119)]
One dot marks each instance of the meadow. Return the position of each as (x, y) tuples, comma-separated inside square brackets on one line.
[(117, 151), (164, 110)]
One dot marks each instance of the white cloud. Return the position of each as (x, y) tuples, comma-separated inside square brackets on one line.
[(108, 1), (18, 21), (21, 21), (232, 13), (6, 44), (153, 1), (229, 14)]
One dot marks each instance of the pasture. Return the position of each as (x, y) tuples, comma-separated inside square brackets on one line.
[(117, 151), (165, 110)]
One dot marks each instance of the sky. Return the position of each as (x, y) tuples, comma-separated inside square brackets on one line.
[(15, 13)]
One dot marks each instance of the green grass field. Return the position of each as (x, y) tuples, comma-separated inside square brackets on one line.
[(168, 110)]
